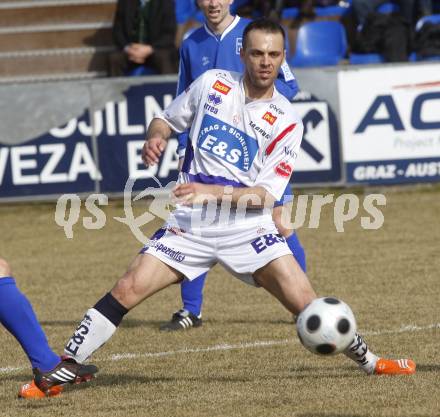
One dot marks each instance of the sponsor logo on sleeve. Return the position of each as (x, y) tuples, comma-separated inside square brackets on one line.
[(283, 169), (289, 152), (269, 118), (221, 88)]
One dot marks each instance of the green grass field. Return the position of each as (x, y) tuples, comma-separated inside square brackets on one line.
[(246, 359)]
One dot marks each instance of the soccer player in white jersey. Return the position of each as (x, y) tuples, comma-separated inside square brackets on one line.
[(217, 44), (245, 137)]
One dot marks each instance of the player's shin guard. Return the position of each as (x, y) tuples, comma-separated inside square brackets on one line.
[(97, 326), (359, 352)]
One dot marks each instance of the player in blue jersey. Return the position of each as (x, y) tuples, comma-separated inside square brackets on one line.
[(217, 44), (50, 370)]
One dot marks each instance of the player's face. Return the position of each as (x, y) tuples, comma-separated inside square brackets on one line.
[(215, 11), (262, 58)]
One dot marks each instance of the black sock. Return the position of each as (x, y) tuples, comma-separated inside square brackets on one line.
[(111, 308)]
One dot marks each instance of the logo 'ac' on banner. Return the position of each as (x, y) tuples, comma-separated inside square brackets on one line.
[(390, 123)]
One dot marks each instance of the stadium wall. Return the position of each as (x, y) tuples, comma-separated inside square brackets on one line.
[(363, 125)]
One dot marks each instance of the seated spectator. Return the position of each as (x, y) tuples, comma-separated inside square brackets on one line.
[(273, 8), (144, 32), (409, 9)]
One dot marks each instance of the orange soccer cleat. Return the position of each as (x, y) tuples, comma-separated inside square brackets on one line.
[(395, 367), (31, 391)]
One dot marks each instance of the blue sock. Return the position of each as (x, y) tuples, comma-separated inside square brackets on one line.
[(17, 315), (297, 250), (192, 294)]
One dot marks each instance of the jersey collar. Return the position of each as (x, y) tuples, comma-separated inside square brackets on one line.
[(226, 31), (275, 93)]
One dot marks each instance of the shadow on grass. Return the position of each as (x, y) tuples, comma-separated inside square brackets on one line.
[(112, 380), (134, 323), (128, 323), (432, 367)]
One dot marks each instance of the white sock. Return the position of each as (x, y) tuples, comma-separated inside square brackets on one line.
[(359, 352), (93, 331)]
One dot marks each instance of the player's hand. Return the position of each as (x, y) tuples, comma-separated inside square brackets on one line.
[(153, 149), (194, 193)]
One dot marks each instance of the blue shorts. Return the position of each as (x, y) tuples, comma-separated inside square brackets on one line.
[(182, 139), (287, 197)]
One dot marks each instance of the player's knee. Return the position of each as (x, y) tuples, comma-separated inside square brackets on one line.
[(131, 289), (123, 290), (5, 269)]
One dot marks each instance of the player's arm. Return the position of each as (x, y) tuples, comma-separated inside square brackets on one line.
[(177, 117), (156, 141), (279, 158)]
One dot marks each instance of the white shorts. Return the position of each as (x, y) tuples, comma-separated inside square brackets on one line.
[(241, 250)]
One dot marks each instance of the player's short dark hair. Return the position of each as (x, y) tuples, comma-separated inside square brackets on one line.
[(264, 24)]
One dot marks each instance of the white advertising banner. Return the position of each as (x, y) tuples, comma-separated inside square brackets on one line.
[(390, 123), (318, 159), (317, 133)]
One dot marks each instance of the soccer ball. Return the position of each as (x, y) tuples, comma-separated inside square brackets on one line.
[(326, 326)]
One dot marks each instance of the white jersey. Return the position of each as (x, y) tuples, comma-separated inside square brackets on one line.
[(233, 141)]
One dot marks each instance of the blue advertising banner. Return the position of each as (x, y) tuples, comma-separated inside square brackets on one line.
[(122, 136), (100, 152), (394, 171), (60, 161)]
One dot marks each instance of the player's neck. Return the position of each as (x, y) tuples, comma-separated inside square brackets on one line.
[(220, 27), (254, 93)]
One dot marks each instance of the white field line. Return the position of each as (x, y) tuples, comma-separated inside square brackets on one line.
[(226, 346)]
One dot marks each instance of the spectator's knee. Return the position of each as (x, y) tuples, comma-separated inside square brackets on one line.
[(5, 269)]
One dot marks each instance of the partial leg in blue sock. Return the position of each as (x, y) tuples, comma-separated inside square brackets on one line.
[(297, 250), (192, 294), (17, 315)]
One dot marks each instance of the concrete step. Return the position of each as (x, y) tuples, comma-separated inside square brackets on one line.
[(54, 61), (55, 36), (52, 77)]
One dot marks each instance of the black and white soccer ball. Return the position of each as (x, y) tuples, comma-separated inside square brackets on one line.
[(326, 326)]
